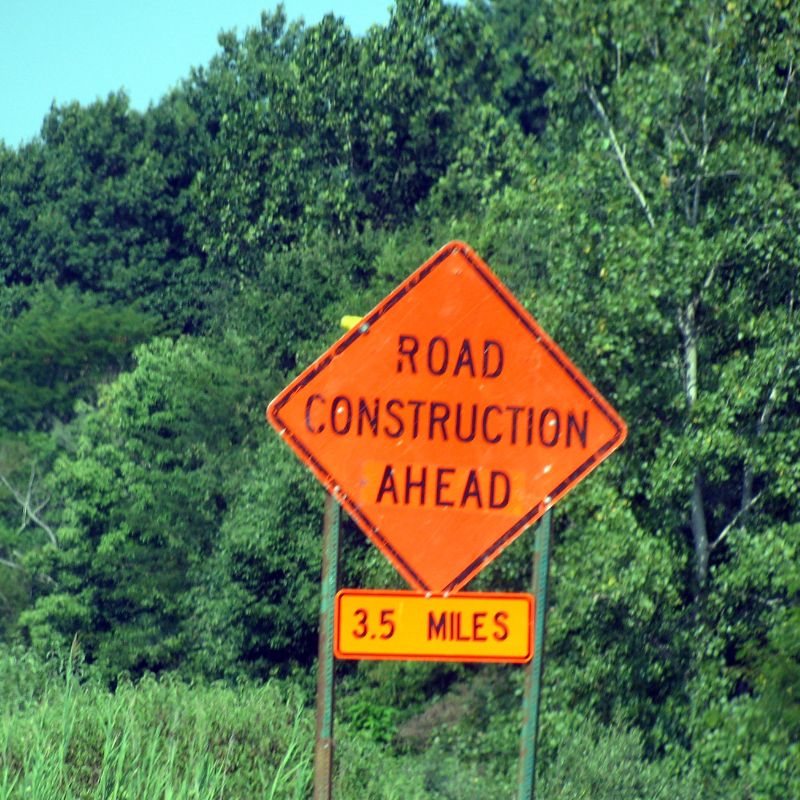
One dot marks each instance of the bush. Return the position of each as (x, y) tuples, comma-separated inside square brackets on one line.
[(607, 763)]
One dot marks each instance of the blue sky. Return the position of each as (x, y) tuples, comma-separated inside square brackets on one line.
[(66, 50)]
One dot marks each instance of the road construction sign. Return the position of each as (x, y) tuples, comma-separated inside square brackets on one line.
[(447, 421)]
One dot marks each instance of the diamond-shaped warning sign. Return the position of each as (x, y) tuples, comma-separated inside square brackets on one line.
[(447, 421)]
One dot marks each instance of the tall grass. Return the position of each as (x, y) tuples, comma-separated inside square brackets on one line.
[(160, 740), (64, 738)]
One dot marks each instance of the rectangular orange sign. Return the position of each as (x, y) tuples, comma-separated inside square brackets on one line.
[(410, 626)]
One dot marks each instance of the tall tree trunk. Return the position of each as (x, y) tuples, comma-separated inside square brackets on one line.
[(699, 532), (688, 328)]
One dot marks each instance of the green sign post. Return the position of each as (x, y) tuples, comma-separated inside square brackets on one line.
[(533, 672)]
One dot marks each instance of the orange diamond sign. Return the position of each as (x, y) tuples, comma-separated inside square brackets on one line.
[(447, 421)]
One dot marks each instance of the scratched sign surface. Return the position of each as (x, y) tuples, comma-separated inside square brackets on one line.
[(447, 421)]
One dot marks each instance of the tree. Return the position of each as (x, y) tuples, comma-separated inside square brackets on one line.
[(678, 183), (100, 203), (519, 86), (316, 130), (255, 610), (58, 349), (142, 496), (655, 238), (25, 529)]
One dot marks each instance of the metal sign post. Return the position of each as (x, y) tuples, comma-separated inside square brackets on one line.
[(533, 672), (323, 751)]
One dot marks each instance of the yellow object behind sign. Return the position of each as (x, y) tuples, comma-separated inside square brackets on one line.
[(349, 321)]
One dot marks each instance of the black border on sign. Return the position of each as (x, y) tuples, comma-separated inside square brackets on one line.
[(366, 324), (337, 615)]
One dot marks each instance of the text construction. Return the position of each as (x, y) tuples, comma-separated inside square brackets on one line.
[(445, 422), (468, 626)]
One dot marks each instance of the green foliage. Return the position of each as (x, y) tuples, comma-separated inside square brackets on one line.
[(513, 24), (609, 763), (99, 203), (387, 701), (157, 739), (145, 492), (28, 514), (364, 771), (630, 172), (315, 129), (290, 308), (614, 637), (58, 349), (746, 711), (65, 735), (264, 573), (25, 679)]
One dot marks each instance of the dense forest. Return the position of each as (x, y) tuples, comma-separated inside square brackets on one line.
[(631, 171)]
